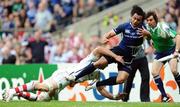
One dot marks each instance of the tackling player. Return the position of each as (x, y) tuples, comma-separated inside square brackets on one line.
[(58, 80)]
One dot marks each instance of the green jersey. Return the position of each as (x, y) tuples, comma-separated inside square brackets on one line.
[(162, 36)]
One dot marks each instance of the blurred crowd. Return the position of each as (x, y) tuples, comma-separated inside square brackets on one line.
[(18, 18), (26, 28), (171, 14), (48, 14), (40, 47)]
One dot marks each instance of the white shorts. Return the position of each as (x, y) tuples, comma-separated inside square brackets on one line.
[(57, 80)]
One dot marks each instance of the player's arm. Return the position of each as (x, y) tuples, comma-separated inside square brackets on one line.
[(144, 32), (41, 86), (114, 32), (107, 36), (109, 95), (177, 43), (173, 35)]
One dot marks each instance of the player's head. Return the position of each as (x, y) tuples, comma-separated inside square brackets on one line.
[(137, 16), (151, 18)]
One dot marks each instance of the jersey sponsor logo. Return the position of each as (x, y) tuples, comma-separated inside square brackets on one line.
[(132, 36), (127, 31)]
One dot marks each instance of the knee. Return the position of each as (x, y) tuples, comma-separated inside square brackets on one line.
[(154, 73), (174, 71), (100, 64), (97, 49)]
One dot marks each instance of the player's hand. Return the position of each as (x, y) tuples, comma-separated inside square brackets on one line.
[(176, 54), (143, 32), (119, 59), (119, 96), (104, 40)]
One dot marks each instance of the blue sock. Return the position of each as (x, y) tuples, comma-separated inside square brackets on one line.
[(109, 81), (177, 78), (160, 86), (87, 70)]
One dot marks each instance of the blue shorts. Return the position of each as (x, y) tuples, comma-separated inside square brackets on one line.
[(126, 56), (165, 53)]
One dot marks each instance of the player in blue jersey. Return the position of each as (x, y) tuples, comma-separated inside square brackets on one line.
[(127, 48)]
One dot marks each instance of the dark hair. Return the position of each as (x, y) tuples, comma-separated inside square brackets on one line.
[(152, 13), (138, 10)]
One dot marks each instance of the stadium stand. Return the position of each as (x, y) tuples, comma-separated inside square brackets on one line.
[(67, 39)]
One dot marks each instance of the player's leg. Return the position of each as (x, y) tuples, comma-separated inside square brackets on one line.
[(44, 96), (114, 80), (26, 87), (9, 93), (101, 63), (124, 70), (128, 83), (41, 86), (94, 56), (28, 95), (109, 95), (156, 67), (145, 77), (174, 65), (91, 67), (93, 76), (84, 64), (122, 76), (100, 51)]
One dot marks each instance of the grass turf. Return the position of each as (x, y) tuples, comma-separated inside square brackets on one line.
[(84, 104)]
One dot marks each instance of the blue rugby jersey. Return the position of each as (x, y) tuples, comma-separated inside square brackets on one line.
[(131, 41)]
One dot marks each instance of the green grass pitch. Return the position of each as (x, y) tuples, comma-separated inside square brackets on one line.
[(84, 104)]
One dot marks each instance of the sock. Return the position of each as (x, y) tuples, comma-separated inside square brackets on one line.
[(91, 58), (84, 63), (28, 96), (177, 78), (109, 81), (87, 70), (88, 60), (160, 86), (26, 87)]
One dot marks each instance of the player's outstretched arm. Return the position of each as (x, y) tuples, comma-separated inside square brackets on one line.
[(177, 43), (109, 95)]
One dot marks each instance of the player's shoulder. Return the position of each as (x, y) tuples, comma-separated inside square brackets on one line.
[(162, 24), (126, 24)]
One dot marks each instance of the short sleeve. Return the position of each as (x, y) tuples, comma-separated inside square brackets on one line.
[(119, 29), (170, 32)]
